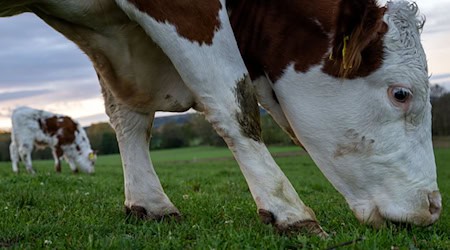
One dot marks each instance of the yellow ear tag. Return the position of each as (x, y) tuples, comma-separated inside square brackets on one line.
[(344, 51), (91, 156), (331, 56)]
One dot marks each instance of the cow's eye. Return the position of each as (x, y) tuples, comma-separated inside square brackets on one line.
[(401, 94)]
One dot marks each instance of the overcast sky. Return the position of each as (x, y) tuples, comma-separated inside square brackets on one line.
[(42, 69)]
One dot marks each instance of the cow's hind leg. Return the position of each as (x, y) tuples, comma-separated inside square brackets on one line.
[(211, 66), (57, 153), (14, 157), (144, 195), (25, 150)]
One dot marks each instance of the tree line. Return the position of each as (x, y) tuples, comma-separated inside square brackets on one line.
[(196, 131)]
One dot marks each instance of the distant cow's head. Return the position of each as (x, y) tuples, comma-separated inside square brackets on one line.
[(73, 141), (83, 156), (364, 114)]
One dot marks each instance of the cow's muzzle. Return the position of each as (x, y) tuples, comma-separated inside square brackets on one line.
[(435, 206)]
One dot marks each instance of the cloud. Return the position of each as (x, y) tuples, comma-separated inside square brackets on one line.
[(6, 96), (34, 54), (440, 77), (40, 68)]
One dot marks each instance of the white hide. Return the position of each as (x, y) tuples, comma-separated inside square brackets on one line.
[(376, 154), (26, 132)]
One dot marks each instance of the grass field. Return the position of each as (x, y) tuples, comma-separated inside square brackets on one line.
[(65, 211)]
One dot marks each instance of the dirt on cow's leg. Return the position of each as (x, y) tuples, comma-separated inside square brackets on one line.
[(310, 227)]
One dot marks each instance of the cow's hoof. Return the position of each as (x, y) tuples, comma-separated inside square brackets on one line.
[(141, 213), (310, 227)]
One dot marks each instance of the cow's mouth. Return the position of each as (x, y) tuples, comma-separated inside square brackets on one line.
[(378, 218)]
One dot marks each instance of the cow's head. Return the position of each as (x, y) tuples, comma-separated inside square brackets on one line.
[(82, 155), (86, 161), (364, 115)]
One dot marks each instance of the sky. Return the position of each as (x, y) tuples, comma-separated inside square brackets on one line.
[(42, 69)]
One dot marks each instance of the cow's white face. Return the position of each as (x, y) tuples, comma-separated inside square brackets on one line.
[(86, 161), (371, 136)]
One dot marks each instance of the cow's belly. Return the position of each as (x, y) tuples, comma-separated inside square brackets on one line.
[(132, 67), (139, 74), (146, 81)]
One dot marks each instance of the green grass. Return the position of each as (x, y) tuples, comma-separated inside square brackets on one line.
[(65, 211)]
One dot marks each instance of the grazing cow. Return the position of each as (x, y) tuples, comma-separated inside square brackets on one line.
[(347, 79), (38, 128)]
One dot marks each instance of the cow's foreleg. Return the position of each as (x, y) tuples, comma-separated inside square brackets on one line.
[(144, 195), (57, 153), (14, 157), (72, 165), (212, 68), (268, 100)]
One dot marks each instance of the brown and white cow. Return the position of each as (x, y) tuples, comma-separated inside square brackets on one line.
[(348, 79), (38, 128)]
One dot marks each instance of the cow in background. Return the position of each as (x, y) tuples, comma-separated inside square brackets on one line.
[(38, 128)]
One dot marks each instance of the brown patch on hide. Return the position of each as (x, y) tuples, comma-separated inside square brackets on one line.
[(63, 127), (248, 117), (358, 40), (273, 34), (196, 21)]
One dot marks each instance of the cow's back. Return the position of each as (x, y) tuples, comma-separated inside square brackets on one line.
[(26, 126)]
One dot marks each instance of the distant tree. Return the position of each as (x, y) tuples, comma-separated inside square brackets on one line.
[(156, 139), (436, 91), (205, 132), (102, 138), (441, 115), (108, 144), (5, 140), (172, 136), (272, 133)]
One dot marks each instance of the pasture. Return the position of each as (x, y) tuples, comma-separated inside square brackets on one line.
[(66, 211)]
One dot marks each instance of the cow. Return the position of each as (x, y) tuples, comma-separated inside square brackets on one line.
[(34, 128), (347, 79)]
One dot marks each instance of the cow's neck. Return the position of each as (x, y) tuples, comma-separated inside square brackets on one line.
[(276, 33)]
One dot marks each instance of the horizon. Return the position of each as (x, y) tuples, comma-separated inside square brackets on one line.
[(42, 69)]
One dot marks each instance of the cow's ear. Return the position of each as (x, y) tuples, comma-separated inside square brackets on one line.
[(358, 24)]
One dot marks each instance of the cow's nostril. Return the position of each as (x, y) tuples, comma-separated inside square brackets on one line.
[(435, 203)]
